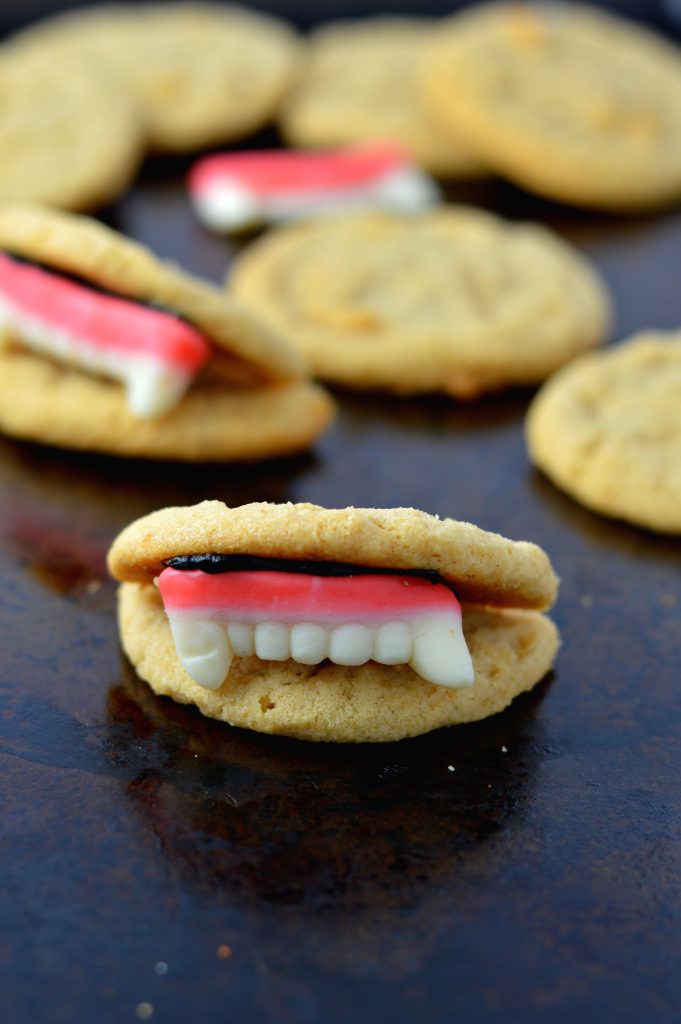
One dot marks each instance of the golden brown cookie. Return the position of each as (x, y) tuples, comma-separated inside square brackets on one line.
[(456, 300), (69, 135), (248, 398), (563, 99), (511, 646), (358, 84), (202, 73), (607, 429)]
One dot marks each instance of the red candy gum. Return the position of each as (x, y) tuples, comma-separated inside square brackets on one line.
[(273, 172), (104, 321), (298, 597)]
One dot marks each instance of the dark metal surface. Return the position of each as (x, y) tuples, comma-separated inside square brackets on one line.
[(538, 881)]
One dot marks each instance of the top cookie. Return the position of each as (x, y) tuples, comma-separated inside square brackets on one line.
[(358, 84), (484, 567), (203, 74), (68, 136), (91, 251), (607, 429), (456, 300), (565, 100)]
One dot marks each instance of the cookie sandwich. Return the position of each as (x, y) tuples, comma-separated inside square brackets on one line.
[(104, 347), (348, 625), (453, 300), (566, 100), (607, 430)]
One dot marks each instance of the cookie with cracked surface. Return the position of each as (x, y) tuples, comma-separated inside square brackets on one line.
[(357, 84), (202, 73), (607, 430), (270, 571), (68, 137), (566, 100), (104, 347), (456, 300)]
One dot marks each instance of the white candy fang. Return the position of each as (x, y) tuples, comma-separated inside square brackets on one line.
[(440, 652), (203, 649), (433, 646)]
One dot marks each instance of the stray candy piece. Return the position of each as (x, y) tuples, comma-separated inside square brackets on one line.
[(232, 191), (258, 617)]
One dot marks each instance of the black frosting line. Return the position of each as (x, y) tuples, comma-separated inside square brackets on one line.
[(214, 564)]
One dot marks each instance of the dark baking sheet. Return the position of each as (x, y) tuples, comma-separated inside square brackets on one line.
[(538, 881)]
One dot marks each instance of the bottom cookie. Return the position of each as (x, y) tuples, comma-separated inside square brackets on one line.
[(45, 402), (511, 652)]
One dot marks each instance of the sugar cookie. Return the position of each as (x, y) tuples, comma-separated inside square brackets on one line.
[(456, 300), (202, 73), (564, 99), (607, 429), (69, 135), (358, 84)]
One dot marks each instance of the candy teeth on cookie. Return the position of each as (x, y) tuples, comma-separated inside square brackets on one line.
[(104, 347), (231, 191), (154, 354), (387, 618), (435, 648)]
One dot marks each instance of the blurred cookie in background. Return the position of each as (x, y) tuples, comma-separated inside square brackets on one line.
[(358, 84), (455, 300), (607, 429), (566, 100), (202, 74), (70, 134)]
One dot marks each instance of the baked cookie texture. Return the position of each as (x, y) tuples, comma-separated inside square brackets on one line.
[(252, 400), (607, 429), (456, 300), (358, 84), (201, 73), (70, 135), (565, 100), (503, 586)]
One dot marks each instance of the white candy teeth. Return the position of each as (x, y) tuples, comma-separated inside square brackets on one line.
[(393, 644), (351, 644), (272, 641), (440, 653), (434, 647), (309, 643), (203, 649), (241, 638)]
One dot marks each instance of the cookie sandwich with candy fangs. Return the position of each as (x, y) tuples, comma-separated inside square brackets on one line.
[(346, 625), (104, 347)]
